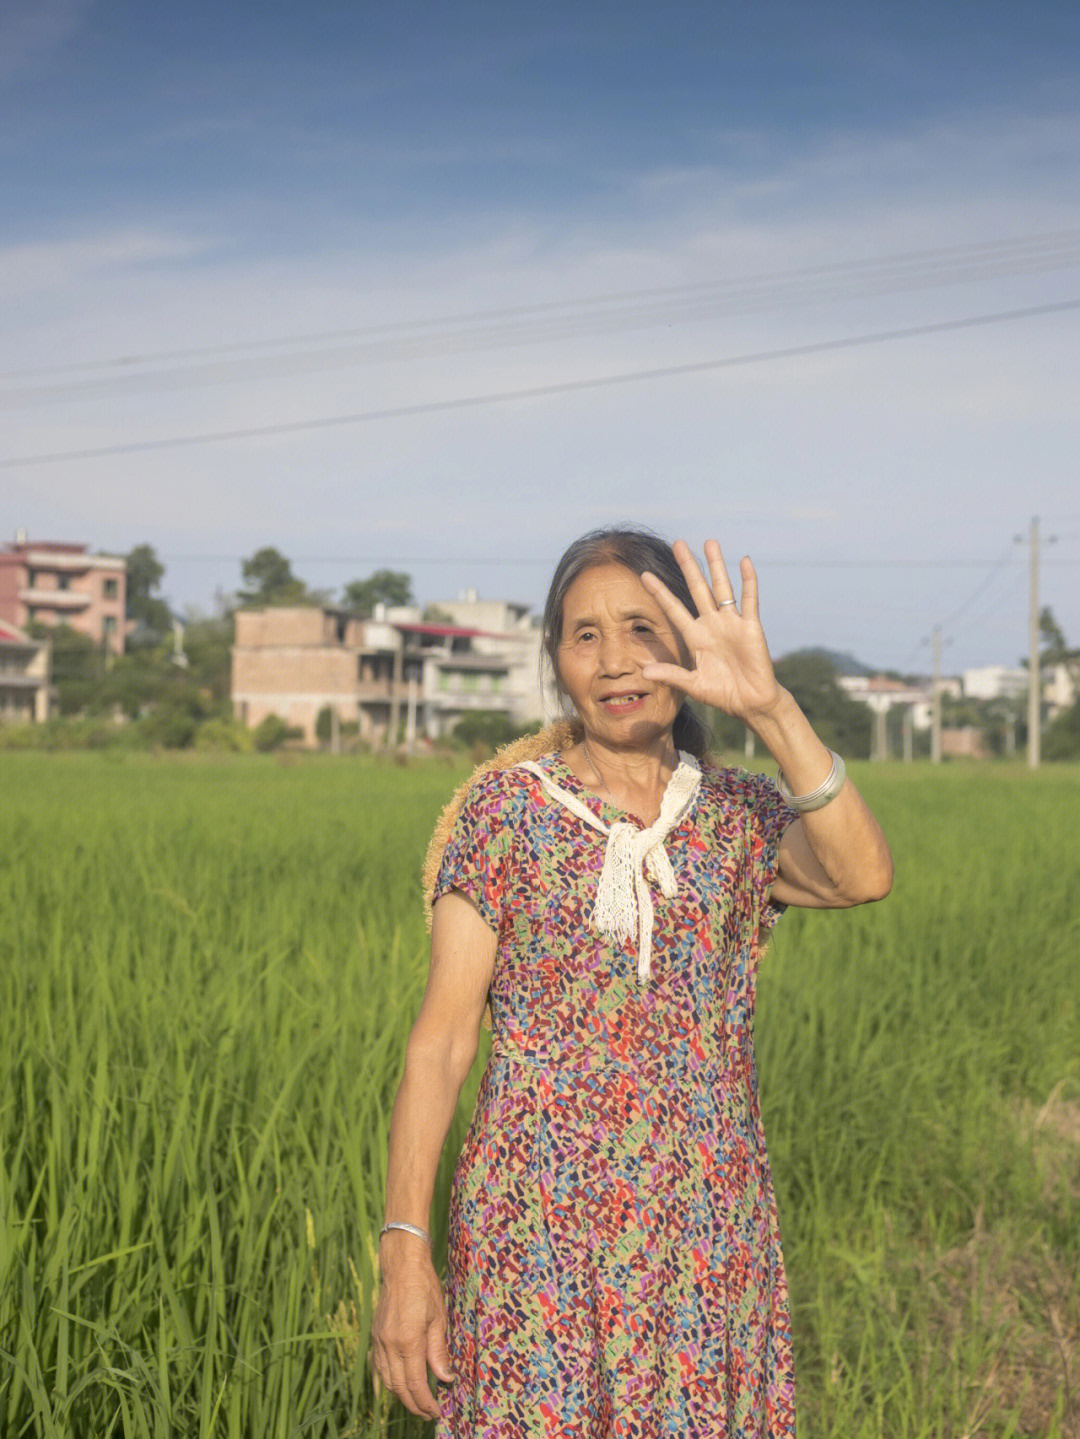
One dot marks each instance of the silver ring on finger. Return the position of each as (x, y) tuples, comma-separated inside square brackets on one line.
[(721, 603)]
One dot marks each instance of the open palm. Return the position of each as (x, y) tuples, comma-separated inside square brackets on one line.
[(731, 666)]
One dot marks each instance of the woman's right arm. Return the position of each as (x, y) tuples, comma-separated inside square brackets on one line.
[(409, 1328)]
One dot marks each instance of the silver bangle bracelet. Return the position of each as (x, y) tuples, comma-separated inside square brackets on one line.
[(410, 1228), (827, 790)]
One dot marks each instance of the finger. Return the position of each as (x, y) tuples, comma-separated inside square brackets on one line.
[(695, 580), (438, 1353), (672, 675), (399, 1382), (417, 1381), (721, 584), (672, 606), (749, 605)]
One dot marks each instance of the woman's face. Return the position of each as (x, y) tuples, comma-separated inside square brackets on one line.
[(611, 627)]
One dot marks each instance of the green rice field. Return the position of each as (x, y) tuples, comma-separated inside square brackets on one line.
[(208, 970)]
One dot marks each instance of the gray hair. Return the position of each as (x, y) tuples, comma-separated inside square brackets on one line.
[(637, 550)]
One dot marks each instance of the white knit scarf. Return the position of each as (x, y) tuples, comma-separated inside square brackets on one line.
[(623, 902)]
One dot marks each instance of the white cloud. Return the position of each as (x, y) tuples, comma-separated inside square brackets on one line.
[(33, 268), (927, 448)]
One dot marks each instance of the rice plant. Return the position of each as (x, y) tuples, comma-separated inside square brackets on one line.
[(208, 970)]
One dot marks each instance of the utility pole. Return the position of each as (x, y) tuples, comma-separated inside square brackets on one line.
[(1034, 669), (935, 721), (395, 692), (880, 736)]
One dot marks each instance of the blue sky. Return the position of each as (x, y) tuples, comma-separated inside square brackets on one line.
[(258, 193)]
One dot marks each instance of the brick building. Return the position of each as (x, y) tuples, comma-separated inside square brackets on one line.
[(392, 673), (63, 583)]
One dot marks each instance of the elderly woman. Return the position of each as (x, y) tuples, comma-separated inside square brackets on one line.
[(614, 1262)]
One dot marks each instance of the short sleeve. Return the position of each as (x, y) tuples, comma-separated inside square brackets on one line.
[(477, 856), (768, 816)]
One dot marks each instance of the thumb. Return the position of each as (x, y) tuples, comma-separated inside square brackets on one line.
[(438, 1357)]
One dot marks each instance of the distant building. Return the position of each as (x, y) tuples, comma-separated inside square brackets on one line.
[(993, 682), (63, 583), (963, 742), (880, 693), (24, 676), (1059, 688), (391, 672)]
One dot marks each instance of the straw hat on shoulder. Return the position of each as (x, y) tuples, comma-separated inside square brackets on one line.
[(553, 739)]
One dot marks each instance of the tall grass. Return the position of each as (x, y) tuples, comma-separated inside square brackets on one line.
[(208, 970)]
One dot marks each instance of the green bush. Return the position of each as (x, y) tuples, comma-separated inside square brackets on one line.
[(271, 733), (222, 733), (171, 725), (67, 732), (487, 729), (1062, 739)]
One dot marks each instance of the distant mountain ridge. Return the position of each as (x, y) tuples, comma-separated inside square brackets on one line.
[(843, 664)]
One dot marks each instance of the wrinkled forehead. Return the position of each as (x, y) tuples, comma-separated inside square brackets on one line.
[(606, 591)]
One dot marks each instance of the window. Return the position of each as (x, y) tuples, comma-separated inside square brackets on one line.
[(497, 683), (63, 582), (110, 588), (444, 679), (108, 627), (468, 683)]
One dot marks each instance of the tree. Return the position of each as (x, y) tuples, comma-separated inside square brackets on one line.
[(208, 641), (1062, 738), (270, 580), (387, 587), (840, 721), (1052, 639), (434, 615), (77, 667), (150, 612)]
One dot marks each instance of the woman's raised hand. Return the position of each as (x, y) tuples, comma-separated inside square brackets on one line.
[(731, 667)]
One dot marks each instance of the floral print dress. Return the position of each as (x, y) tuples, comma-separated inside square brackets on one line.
[(614, 1263)]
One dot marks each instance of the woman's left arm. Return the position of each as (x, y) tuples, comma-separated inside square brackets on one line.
[(832, 857)]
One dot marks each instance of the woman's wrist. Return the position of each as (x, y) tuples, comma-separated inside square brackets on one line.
[(769, 721), (790, 738)]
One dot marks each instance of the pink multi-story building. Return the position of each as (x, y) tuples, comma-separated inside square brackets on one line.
[(63, 583)]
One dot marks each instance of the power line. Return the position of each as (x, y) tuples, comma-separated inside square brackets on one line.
[(542, 391), (518, 560), (999, 564), (552, 320)]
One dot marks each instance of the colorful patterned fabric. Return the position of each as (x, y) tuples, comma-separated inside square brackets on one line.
[(614, 1263)]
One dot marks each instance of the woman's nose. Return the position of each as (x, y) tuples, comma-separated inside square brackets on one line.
[(614, 659)]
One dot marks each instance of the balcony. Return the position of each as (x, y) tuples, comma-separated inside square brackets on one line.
[(55, 599)]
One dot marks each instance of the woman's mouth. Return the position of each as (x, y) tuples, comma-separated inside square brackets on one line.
[(622, 703)]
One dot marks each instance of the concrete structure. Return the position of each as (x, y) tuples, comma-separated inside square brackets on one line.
[(963, 742), (993, 682), (879, 693), (25, 690), (386, 675), (62, 583), (1059, 688)]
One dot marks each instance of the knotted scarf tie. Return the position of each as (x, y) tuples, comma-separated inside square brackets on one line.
[(624, 906)]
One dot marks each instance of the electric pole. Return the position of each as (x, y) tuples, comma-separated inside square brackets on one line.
[(935, 723), (1034, 668)]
